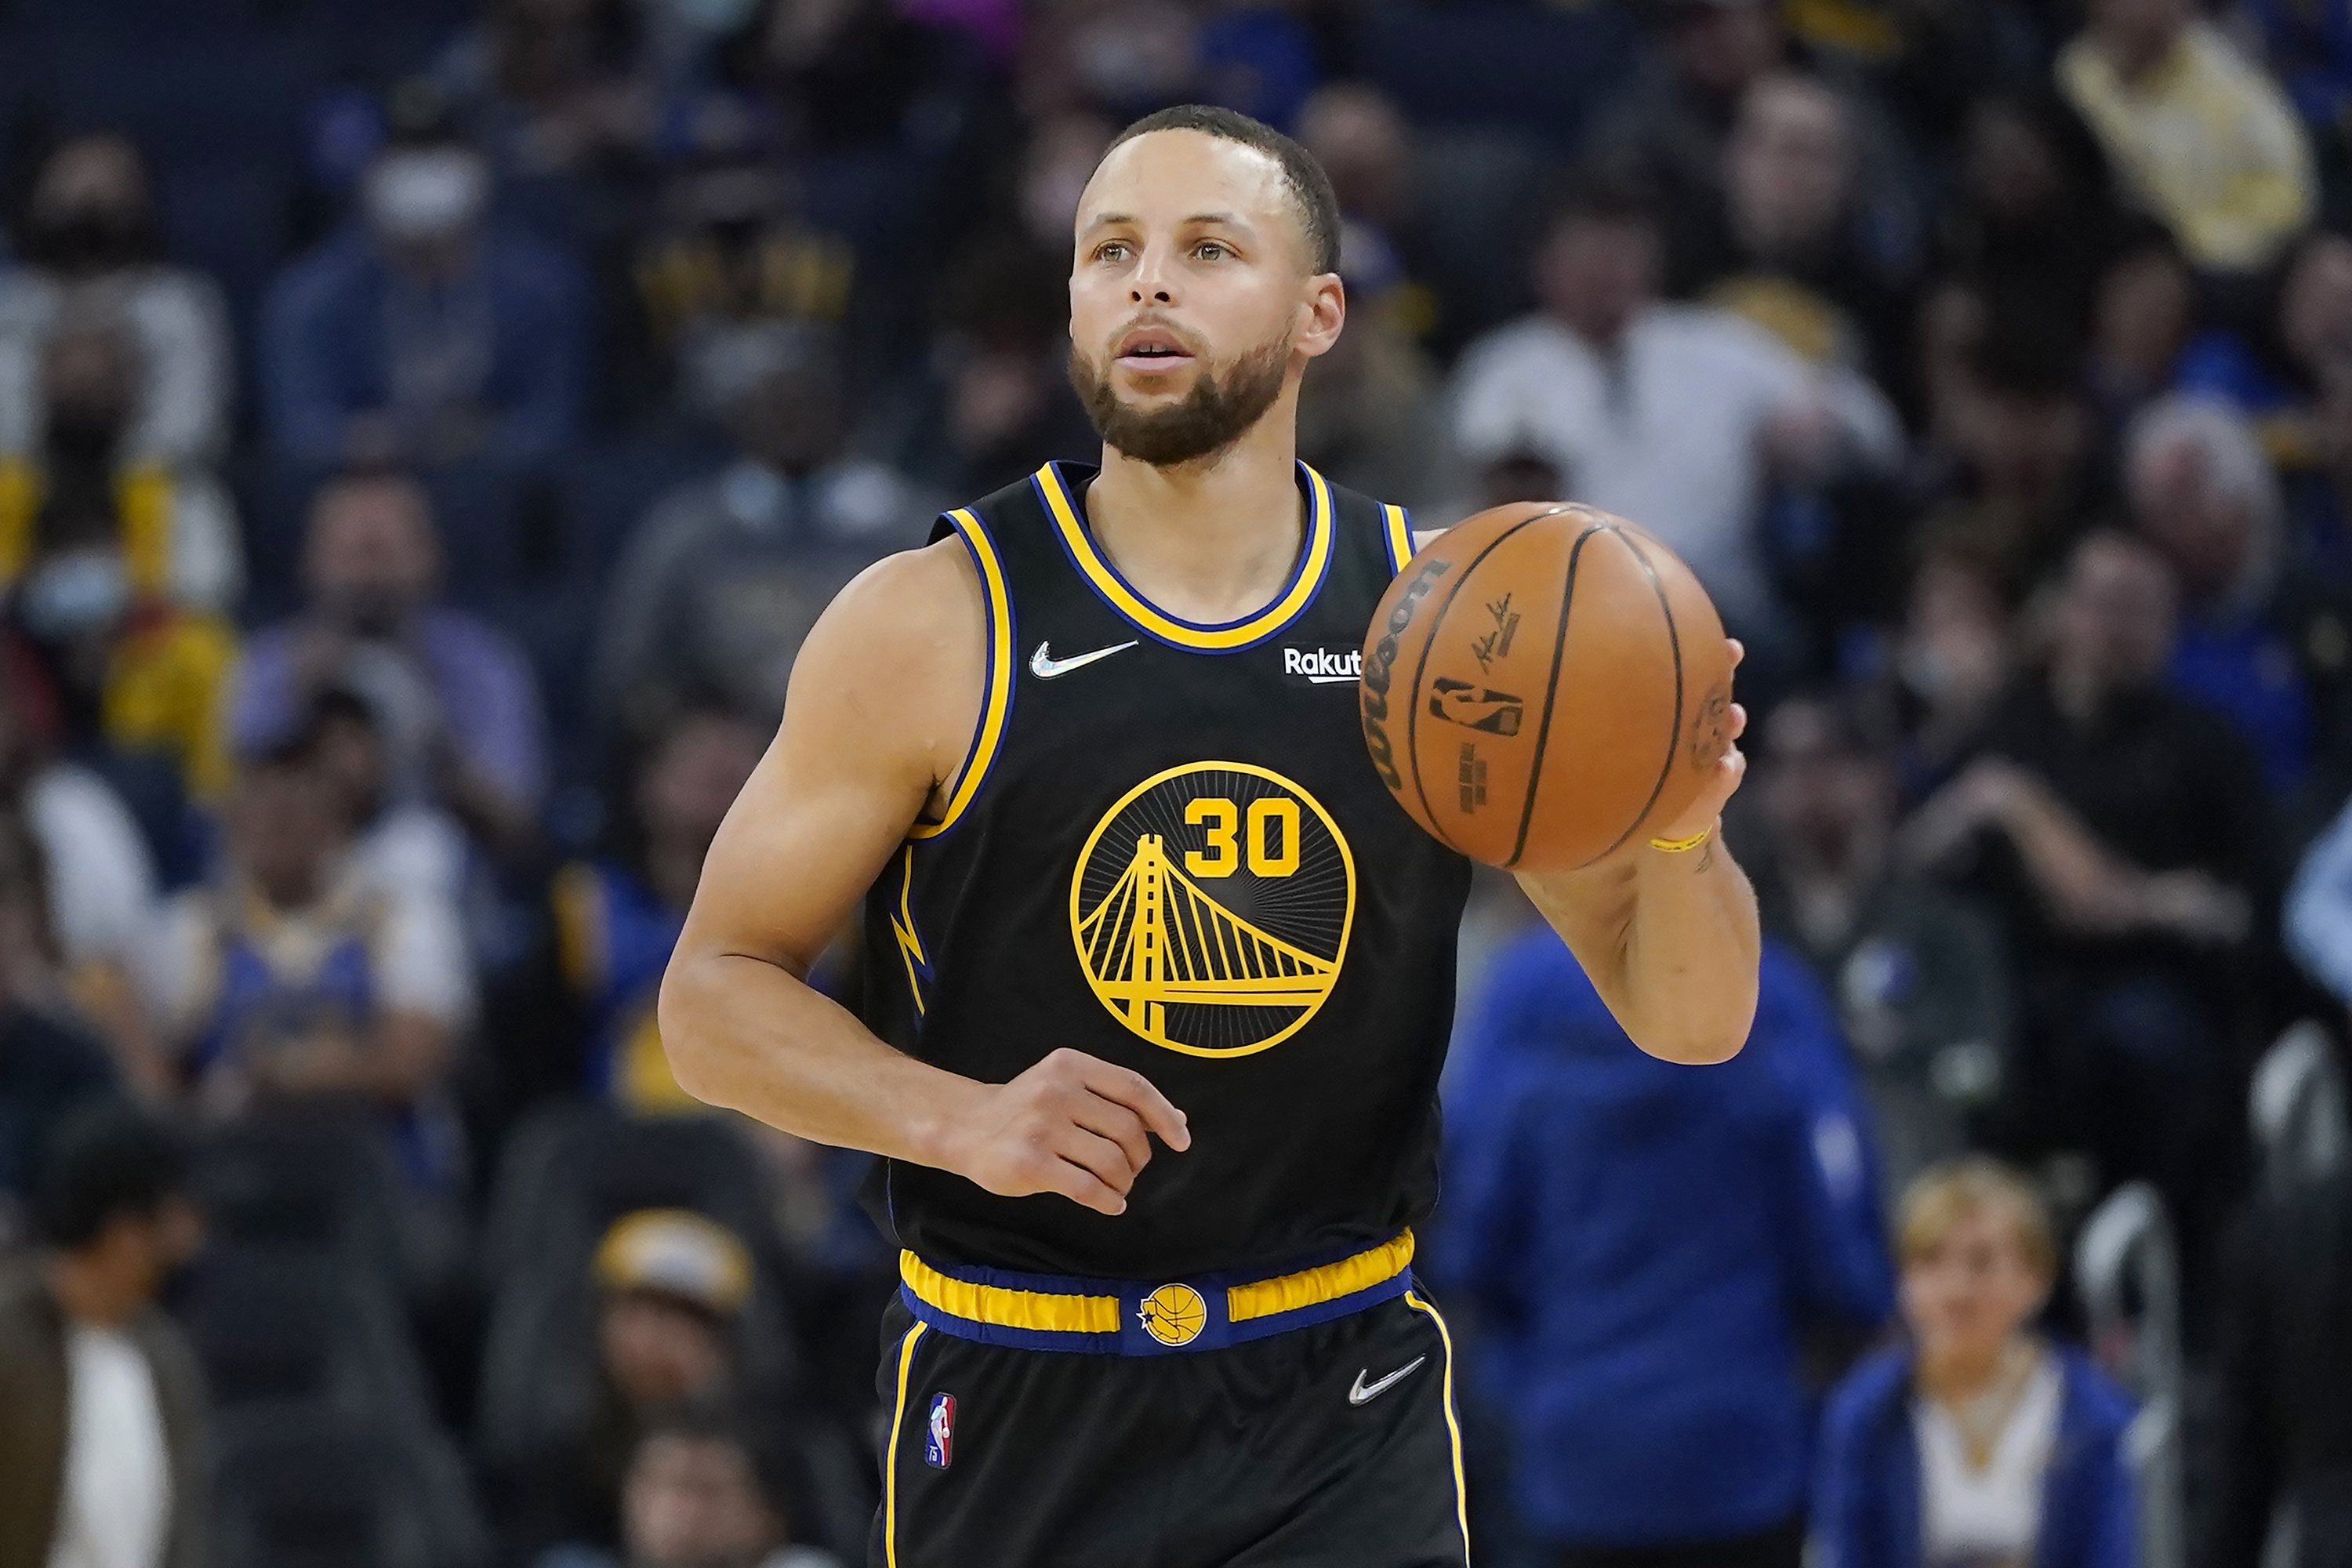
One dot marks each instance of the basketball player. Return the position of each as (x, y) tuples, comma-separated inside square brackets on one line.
[(1160, 976)]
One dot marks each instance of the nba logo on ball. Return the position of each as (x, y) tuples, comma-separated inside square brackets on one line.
[(938, 1437)]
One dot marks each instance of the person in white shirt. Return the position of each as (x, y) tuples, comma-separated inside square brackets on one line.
[(101, 1410), (1679, 417), (1979, 1444)]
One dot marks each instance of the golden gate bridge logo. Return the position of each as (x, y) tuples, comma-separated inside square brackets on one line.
[(1211, 908)]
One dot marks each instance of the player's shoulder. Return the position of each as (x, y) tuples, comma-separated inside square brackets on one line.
[(909, 602)]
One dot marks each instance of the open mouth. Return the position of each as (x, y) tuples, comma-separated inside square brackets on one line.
[(1150, 350)]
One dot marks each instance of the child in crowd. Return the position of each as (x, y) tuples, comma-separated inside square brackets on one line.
[(1979, 1443)]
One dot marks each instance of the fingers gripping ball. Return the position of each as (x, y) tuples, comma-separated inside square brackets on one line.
[(1545, 684)]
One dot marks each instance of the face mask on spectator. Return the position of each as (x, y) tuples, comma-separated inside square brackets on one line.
[(73, 594), (427, 194)]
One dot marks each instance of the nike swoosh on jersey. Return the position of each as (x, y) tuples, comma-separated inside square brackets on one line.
[(1364, 1393), (1045, 667)]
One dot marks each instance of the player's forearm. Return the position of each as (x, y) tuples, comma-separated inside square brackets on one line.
[(1669, 941), (746, 1035), (1691, 953)]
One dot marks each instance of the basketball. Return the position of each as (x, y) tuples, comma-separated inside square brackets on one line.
[(1543, 684)]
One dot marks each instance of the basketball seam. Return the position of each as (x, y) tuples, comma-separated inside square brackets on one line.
[(1674, 734), (1551, 689), (1421, 668)]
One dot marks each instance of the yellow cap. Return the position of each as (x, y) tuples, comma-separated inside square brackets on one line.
[(679, 1253)]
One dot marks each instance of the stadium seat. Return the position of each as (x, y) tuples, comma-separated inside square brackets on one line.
[(279, 1326), (2127, 1270), (570, 1172), (304, 1487), (2297, 1110), (318, 1183)]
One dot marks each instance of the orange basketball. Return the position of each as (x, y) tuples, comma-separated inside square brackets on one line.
[(1543, 684)]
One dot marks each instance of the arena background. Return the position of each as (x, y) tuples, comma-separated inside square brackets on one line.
[(427, 428)]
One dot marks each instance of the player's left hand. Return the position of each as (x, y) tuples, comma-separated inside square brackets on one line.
[(1730, 768)]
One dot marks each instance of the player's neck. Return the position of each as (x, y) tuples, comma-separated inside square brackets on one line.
[(1209, 541)]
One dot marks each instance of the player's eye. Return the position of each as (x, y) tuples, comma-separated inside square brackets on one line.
[(1111, 250), (1211, 250)]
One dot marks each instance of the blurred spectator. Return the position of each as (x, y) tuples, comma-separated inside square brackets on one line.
[(2318, 914), (2310, 51), (1366, 148), (670, 1285), (2282, 1432), (2020, 442), (1648, 1248), (1618, 389), (138, 683), (1788, 254), (102, 1413), (1668, 133), (1952, 656), (1977, 1442), (1918, 976), (725, 575), (92, 253), (2121, 832), (424, 333), (48, 1061), (401, 846), (855, 76), (93, 919), (177, 538), (2264, 644), (2201, 136), (733, 251), (2033, 218), (995, 400), (2143, 309), (2297, 355), (293, 978), (618, 915), (454, 701), (702, 1492), (552, 87)]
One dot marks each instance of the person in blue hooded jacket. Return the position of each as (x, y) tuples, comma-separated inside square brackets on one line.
[(1647, 1248), (1977, 1443)]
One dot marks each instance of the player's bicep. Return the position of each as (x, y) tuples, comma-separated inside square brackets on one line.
[(865, 743)]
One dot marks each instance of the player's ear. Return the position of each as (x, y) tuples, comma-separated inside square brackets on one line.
[(1327, 313)]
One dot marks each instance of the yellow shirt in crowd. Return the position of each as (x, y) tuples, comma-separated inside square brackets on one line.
[(2206, 142)]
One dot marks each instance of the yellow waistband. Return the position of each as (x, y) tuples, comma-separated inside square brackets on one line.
[(1055, 1313)]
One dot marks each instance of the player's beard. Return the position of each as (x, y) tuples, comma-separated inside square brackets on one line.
[(1217, 412)]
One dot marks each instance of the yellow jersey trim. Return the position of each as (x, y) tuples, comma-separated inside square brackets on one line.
[(1313, 1286), (1314, 563), (1399, 532), (909, 939), (1452, 1424), (996, 704), (890, 1470), (994, 1304)]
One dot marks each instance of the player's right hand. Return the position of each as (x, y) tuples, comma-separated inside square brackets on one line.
[(1073, 1124)]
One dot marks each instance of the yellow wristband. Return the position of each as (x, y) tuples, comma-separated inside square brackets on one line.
[(1677, 846)]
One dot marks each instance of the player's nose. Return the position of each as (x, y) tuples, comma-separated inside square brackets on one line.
[(1153, 280)]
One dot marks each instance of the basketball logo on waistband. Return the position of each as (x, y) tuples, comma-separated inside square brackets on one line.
[(1211, 907), (1174, 1314)]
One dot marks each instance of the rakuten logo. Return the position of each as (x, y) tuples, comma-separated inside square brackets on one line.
[(1323, 666)]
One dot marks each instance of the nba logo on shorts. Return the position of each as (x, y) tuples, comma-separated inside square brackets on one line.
[(938, 1437)]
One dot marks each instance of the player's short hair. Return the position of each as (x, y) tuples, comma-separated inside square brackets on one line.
[(1946, 1194), (1310, 187)]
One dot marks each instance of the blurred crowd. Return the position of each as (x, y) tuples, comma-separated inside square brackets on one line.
[(428, 430)]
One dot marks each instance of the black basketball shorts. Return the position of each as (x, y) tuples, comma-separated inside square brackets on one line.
[(1329, 1446)]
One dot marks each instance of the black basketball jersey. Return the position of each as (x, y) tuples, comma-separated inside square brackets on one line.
[(1168, 850)]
